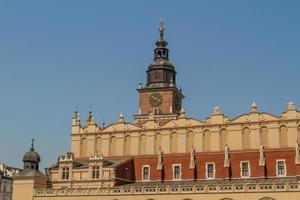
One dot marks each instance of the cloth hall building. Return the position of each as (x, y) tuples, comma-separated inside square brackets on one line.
[(166, 154)]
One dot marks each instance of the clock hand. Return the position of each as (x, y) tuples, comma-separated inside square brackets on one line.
[(153, 97), (157, 99)]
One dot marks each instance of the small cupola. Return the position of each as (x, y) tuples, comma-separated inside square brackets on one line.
[(161, 51), (31, 159)]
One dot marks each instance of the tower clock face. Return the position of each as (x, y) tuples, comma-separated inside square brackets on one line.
[(155, 99)]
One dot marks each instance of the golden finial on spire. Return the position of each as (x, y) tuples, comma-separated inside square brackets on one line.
[(161, 27), (161, 41)]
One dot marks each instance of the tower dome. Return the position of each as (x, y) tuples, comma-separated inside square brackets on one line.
[(31, 156), (161, 73), (31, 159)]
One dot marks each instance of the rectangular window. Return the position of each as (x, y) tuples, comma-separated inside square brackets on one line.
[(65, 173), (95, 172), (176, 172), (281, 171), (155, 111), (146, 173), (210, 170), (245, 169)]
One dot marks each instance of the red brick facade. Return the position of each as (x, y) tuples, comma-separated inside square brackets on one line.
[(170, 98), (125, 172), (233, 172)]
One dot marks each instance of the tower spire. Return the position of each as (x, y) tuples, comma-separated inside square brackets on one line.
[(161, 28), (32, 144), (161, 73), (161, 43)]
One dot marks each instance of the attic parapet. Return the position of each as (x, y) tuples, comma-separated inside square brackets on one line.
[(258, 186), (76, 123), (253, 107), (217, 117), (121, 119), (67, 157), (90, 121), (96, 157), (291, 112), (76, 119)]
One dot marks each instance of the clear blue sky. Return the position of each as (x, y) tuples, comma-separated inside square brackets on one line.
[(58, 55)]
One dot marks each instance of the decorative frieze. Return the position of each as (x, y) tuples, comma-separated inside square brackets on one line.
[(173, 189)]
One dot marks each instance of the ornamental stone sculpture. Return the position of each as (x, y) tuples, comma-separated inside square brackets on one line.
[(226, 156), (159, 159), (192, 158), (262, 161), (253, 107), (297, 156)]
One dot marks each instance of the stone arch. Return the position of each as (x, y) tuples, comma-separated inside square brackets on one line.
[(223, 139), (267, 198), (283, 136), (189, 141), (112, 145), (98, 145), (206, 140), (226, 199), (157, 142), (174, 142), (263, 136), (83, 147), (187, 199), (127, 145), (143, 143), (246, 138)]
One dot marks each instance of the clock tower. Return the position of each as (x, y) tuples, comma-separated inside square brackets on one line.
[(160, 97)]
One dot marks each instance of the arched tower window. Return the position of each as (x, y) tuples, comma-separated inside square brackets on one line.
[(159, 53), (173, 142), (264, 136), (206, 140), (127, 145), (246, 138), (143, 143), (98, 145), (223, 139), (83, 147), (157, 142), (190, 141), (283, 136), (112, 146)]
